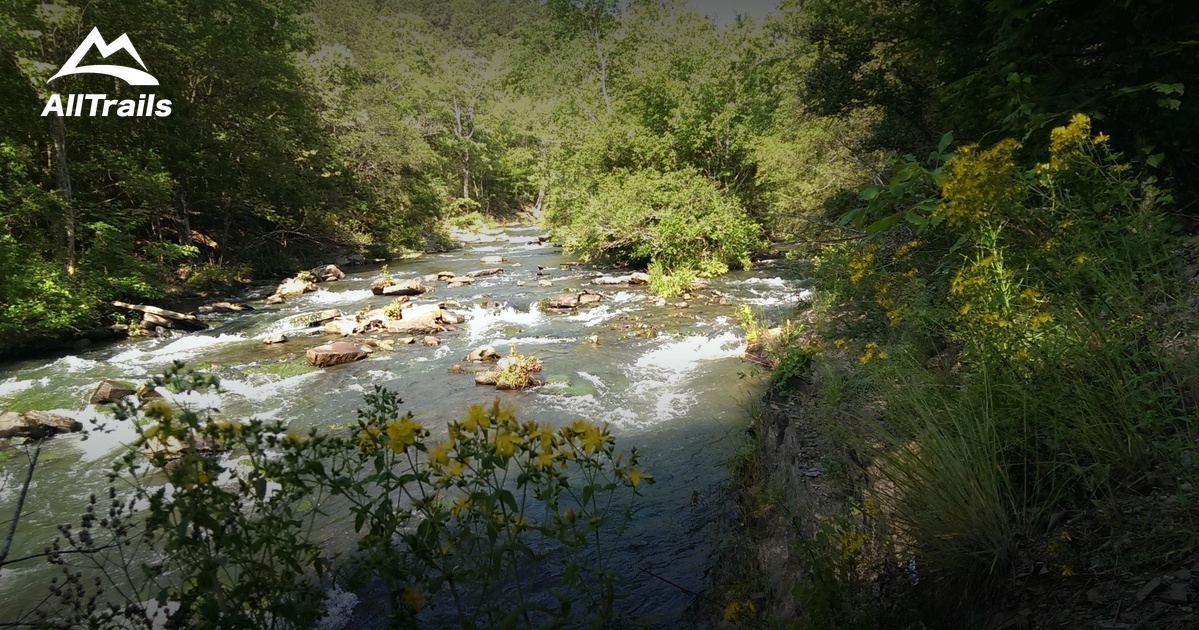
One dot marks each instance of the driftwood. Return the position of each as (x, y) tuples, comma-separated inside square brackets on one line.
[(164, 317)]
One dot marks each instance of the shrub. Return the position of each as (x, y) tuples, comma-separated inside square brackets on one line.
[(231, 538), (677, 219)]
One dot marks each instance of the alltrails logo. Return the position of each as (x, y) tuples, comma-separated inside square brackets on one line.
[(100, 104)]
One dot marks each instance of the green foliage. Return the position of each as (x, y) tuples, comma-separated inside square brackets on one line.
[(37, 299), (670, 283), (214, 277), (393, 309), (793, 366), (676, 219)]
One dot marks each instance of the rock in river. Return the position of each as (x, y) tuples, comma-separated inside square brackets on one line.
[(36, 425), (398, 287), (335, 353), (295, 286), (108, 392), (571, 300), (327, 273)]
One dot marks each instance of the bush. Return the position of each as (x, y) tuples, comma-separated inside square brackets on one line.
[(677, 219)]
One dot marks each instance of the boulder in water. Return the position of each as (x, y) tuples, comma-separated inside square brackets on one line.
[(327, 315), (296, 286), (36, 425), (341, 326), (275, 338), (327, 273), (485, 272), (564, 301), (492, 260), (483, 354), (423, 319), (108, 392), (636, 277), (335, 353), (398, 287)]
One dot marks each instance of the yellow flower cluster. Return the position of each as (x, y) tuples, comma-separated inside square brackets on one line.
[(862, 264), (871, 353), (980, 183)]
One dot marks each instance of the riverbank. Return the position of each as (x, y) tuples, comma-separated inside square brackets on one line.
[(826, 536)]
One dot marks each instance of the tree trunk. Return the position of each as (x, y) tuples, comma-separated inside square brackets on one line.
[(463, 136), (64, 189), (603, 67)]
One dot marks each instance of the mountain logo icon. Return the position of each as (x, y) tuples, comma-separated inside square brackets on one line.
[(132, 76)]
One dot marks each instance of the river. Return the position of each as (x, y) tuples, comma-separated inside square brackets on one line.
[(666, 378)]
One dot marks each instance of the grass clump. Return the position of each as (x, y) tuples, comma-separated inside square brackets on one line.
[(516, 370)]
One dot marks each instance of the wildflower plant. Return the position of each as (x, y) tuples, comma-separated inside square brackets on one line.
[(217, 520)]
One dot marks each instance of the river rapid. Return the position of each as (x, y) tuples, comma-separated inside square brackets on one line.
[(666, 378)]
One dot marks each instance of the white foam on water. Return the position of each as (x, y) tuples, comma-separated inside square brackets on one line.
[(262, 388), (597, 314), (777, 283), (661, 374), (594, 380), (680, 357), (322, 296), (481, 321), (183, 348), (72, 363), (530, 341), (12, 385), (766, 301)]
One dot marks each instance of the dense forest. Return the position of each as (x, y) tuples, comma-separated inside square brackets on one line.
[(998, 201)]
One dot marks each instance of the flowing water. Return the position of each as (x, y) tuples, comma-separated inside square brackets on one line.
[(666, 379)]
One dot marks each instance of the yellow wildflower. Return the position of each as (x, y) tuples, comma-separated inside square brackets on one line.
[(439, 454), (412, 598), (593, 439), (402, 433), (635, 475), (505, 444), (475, 417), (545, 459)]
